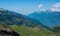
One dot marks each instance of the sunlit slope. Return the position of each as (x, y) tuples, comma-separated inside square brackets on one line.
[(26, 31)]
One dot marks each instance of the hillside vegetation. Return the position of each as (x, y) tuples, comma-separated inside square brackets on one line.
[(26, 31)]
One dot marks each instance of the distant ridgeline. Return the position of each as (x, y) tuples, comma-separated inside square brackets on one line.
[(47, 18), (12, 18)]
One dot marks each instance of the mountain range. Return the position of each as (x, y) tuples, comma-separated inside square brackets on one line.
[(25, 25), (12, 18), (47, 18)]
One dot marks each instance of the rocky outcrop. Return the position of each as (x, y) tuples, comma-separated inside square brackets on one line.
[(8, 33)]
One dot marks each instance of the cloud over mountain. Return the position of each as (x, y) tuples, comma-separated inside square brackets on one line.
[(55, 7), (40, 5)]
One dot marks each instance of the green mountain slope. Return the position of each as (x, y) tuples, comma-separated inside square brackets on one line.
[(26, 31)]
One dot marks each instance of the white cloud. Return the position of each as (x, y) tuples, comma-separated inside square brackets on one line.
[(55, 7), (40, 5)]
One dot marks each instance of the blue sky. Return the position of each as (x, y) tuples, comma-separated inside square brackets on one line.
[(26, 6)]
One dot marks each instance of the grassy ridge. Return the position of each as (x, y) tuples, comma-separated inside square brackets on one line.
[(26, 31)]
